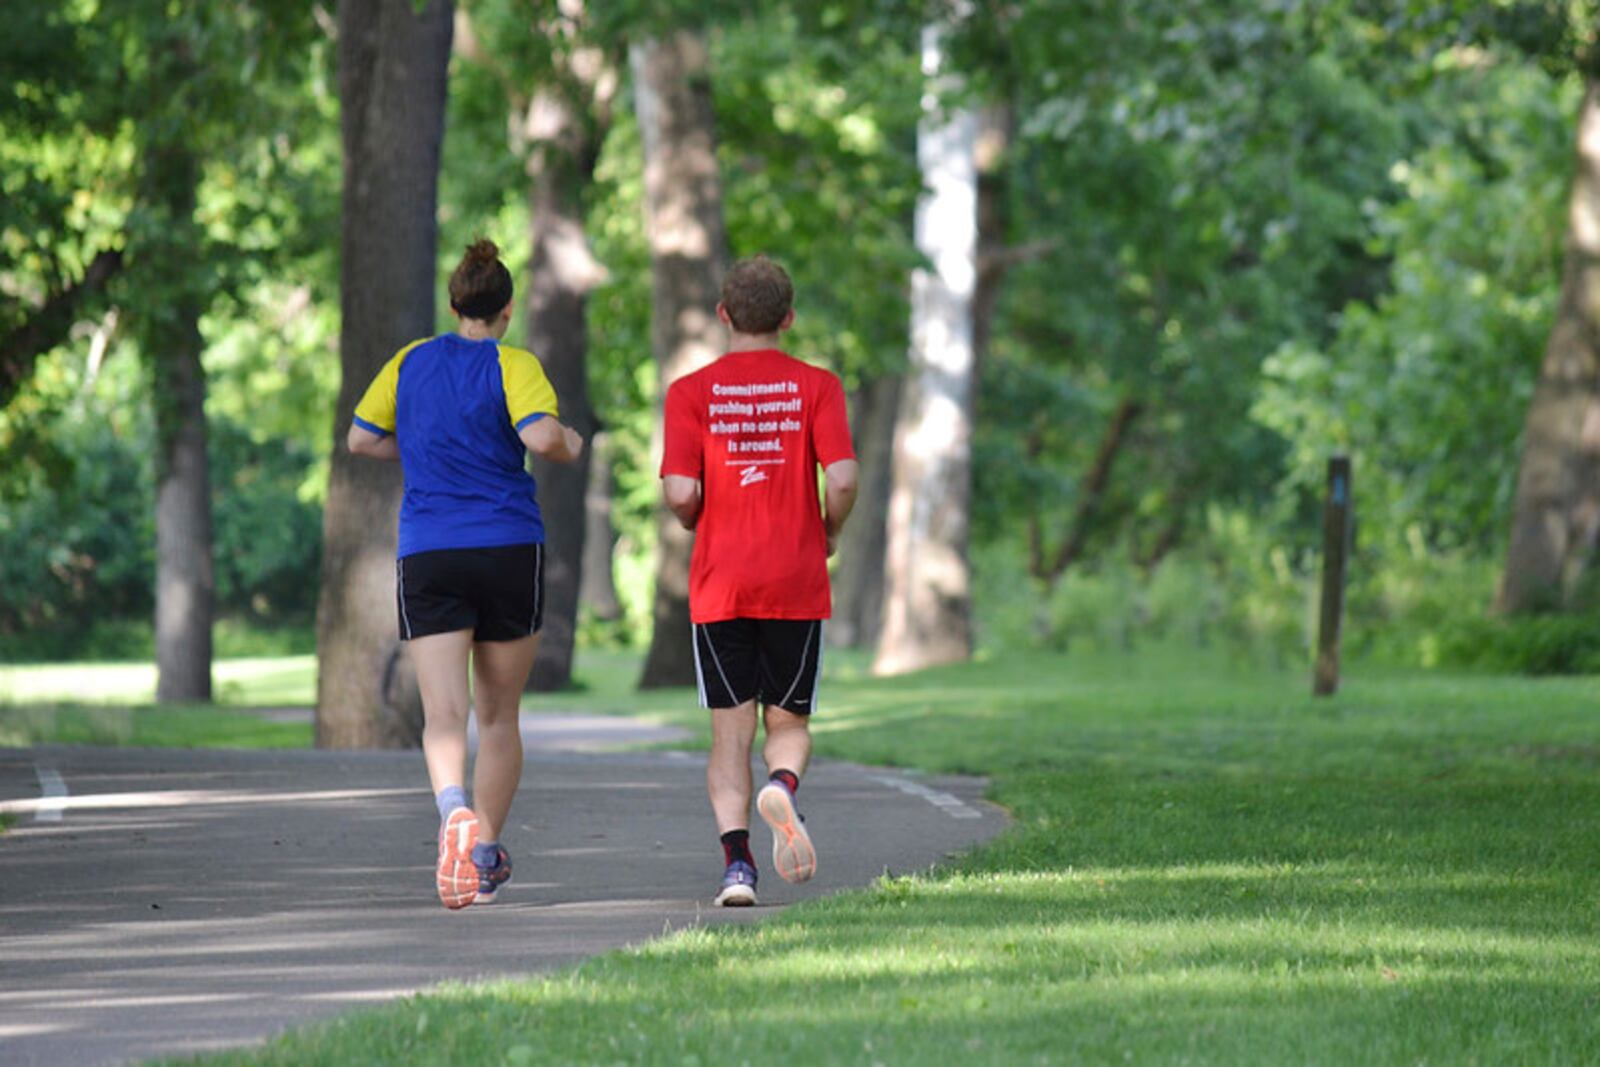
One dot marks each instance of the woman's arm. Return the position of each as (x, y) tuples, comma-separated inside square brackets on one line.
[(548, 438), (363, 442)]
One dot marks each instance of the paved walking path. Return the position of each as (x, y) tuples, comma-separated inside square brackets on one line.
[(164, 902)]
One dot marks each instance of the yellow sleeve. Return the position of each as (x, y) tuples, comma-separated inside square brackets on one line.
[(529, 393), (375, 412)]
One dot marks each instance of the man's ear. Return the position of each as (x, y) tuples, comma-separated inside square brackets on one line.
[(722, 315), (788, 321)]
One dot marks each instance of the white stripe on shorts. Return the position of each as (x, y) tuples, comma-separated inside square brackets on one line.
[(816, 679), (400, 582), (699, 671), (538, 580), (816, 629)]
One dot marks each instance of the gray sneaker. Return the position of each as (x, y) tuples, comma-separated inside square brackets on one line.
[(792, 853), (738, 886)]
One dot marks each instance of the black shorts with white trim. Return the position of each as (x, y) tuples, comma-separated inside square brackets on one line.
[(775, 662), (497, 593)]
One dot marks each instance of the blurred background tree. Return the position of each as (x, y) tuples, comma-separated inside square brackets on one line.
[(1217, 241)]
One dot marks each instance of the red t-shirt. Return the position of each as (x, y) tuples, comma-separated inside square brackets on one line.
[(752, 427)]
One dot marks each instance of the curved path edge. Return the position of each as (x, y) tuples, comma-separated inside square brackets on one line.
[(159, 902)]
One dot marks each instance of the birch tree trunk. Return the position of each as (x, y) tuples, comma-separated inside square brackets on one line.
[(392, 60), (927, 604), (688, 254), (1556, 513)]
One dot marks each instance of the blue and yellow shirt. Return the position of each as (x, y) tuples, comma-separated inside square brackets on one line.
[(455, 407)]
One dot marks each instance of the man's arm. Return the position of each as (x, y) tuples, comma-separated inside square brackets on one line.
[(839, 482), (363, 442), (548, 438), (684, 498)]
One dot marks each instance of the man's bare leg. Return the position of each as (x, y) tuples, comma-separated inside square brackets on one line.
[(787, 748), (733, 731)]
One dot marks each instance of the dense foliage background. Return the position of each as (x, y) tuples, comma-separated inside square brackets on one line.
[(1266, 232)]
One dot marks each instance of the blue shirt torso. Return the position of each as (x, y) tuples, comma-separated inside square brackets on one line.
[(465, 481)]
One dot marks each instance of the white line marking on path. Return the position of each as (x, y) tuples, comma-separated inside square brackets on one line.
[(52, 795), (60, 802), (952, 806)]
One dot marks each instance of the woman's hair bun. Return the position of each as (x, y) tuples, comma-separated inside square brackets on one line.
[(482, 250), (480, 287)]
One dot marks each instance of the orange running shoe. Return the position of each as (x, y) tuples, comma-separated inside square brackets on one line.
[(458, 875), (793, 856)]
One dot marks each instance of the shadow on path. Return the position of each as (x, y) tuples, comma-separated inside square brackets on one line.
[(175, 901)]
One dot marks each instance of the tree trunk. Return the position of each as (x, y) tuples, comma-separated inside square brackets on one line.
[(392, 94), (996, 125), (927, 604), (185, 589), (688, 254), (167, 252), (858, 576), (598, 590), (1048, 566), (1556, 512), (563, 271)]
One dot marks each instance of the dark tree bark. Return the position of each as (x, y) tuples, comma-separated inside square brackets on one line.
[(166, 248), (563, 271), (557, 127), (1049, 566), (392, 63), (597, 592), (1555, 518), (688, 254), (49, 325), (185, 586), (858, 576), (995, 133)]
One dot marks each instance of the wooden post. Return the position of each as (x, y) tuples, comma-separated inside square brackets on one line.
[(1335, 552)]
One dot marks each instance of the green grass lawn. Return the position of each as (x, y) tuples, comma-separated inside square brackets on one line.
[(113, 704), (1207, 866)]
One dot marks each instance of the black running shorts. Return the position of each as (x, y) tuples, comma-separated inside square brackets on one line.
[(773, 661), (497, 593)]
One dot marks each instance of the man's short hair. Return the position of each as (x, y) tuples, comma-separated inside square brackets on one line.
[(757, 294)]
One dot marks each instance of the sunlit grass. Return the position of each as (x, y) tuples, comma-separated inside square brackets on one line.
[(112, 704), (1206, 866), (276, 680)]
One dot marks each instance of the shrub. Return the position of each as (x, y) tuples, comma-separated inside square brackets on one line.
[(1532, 644), (77, 548)]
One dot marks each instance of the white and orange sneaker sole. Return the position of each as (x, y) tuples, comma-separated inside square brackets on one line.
[(793, 856), (457, 877)]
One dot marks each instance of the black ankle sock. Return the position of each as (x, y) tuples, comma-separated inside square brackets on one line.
[(790, 780), (736, 846)]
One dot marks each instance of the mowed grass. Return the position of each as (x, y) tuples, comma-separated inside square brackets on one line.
[(1207, 866)]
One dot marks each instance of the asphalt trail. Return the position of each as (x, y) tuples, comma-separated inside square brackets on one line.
[(166, 902)]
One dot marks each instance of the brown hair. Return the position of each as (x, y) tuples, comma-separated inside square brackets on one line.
[(481, 286), (757, 294)]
